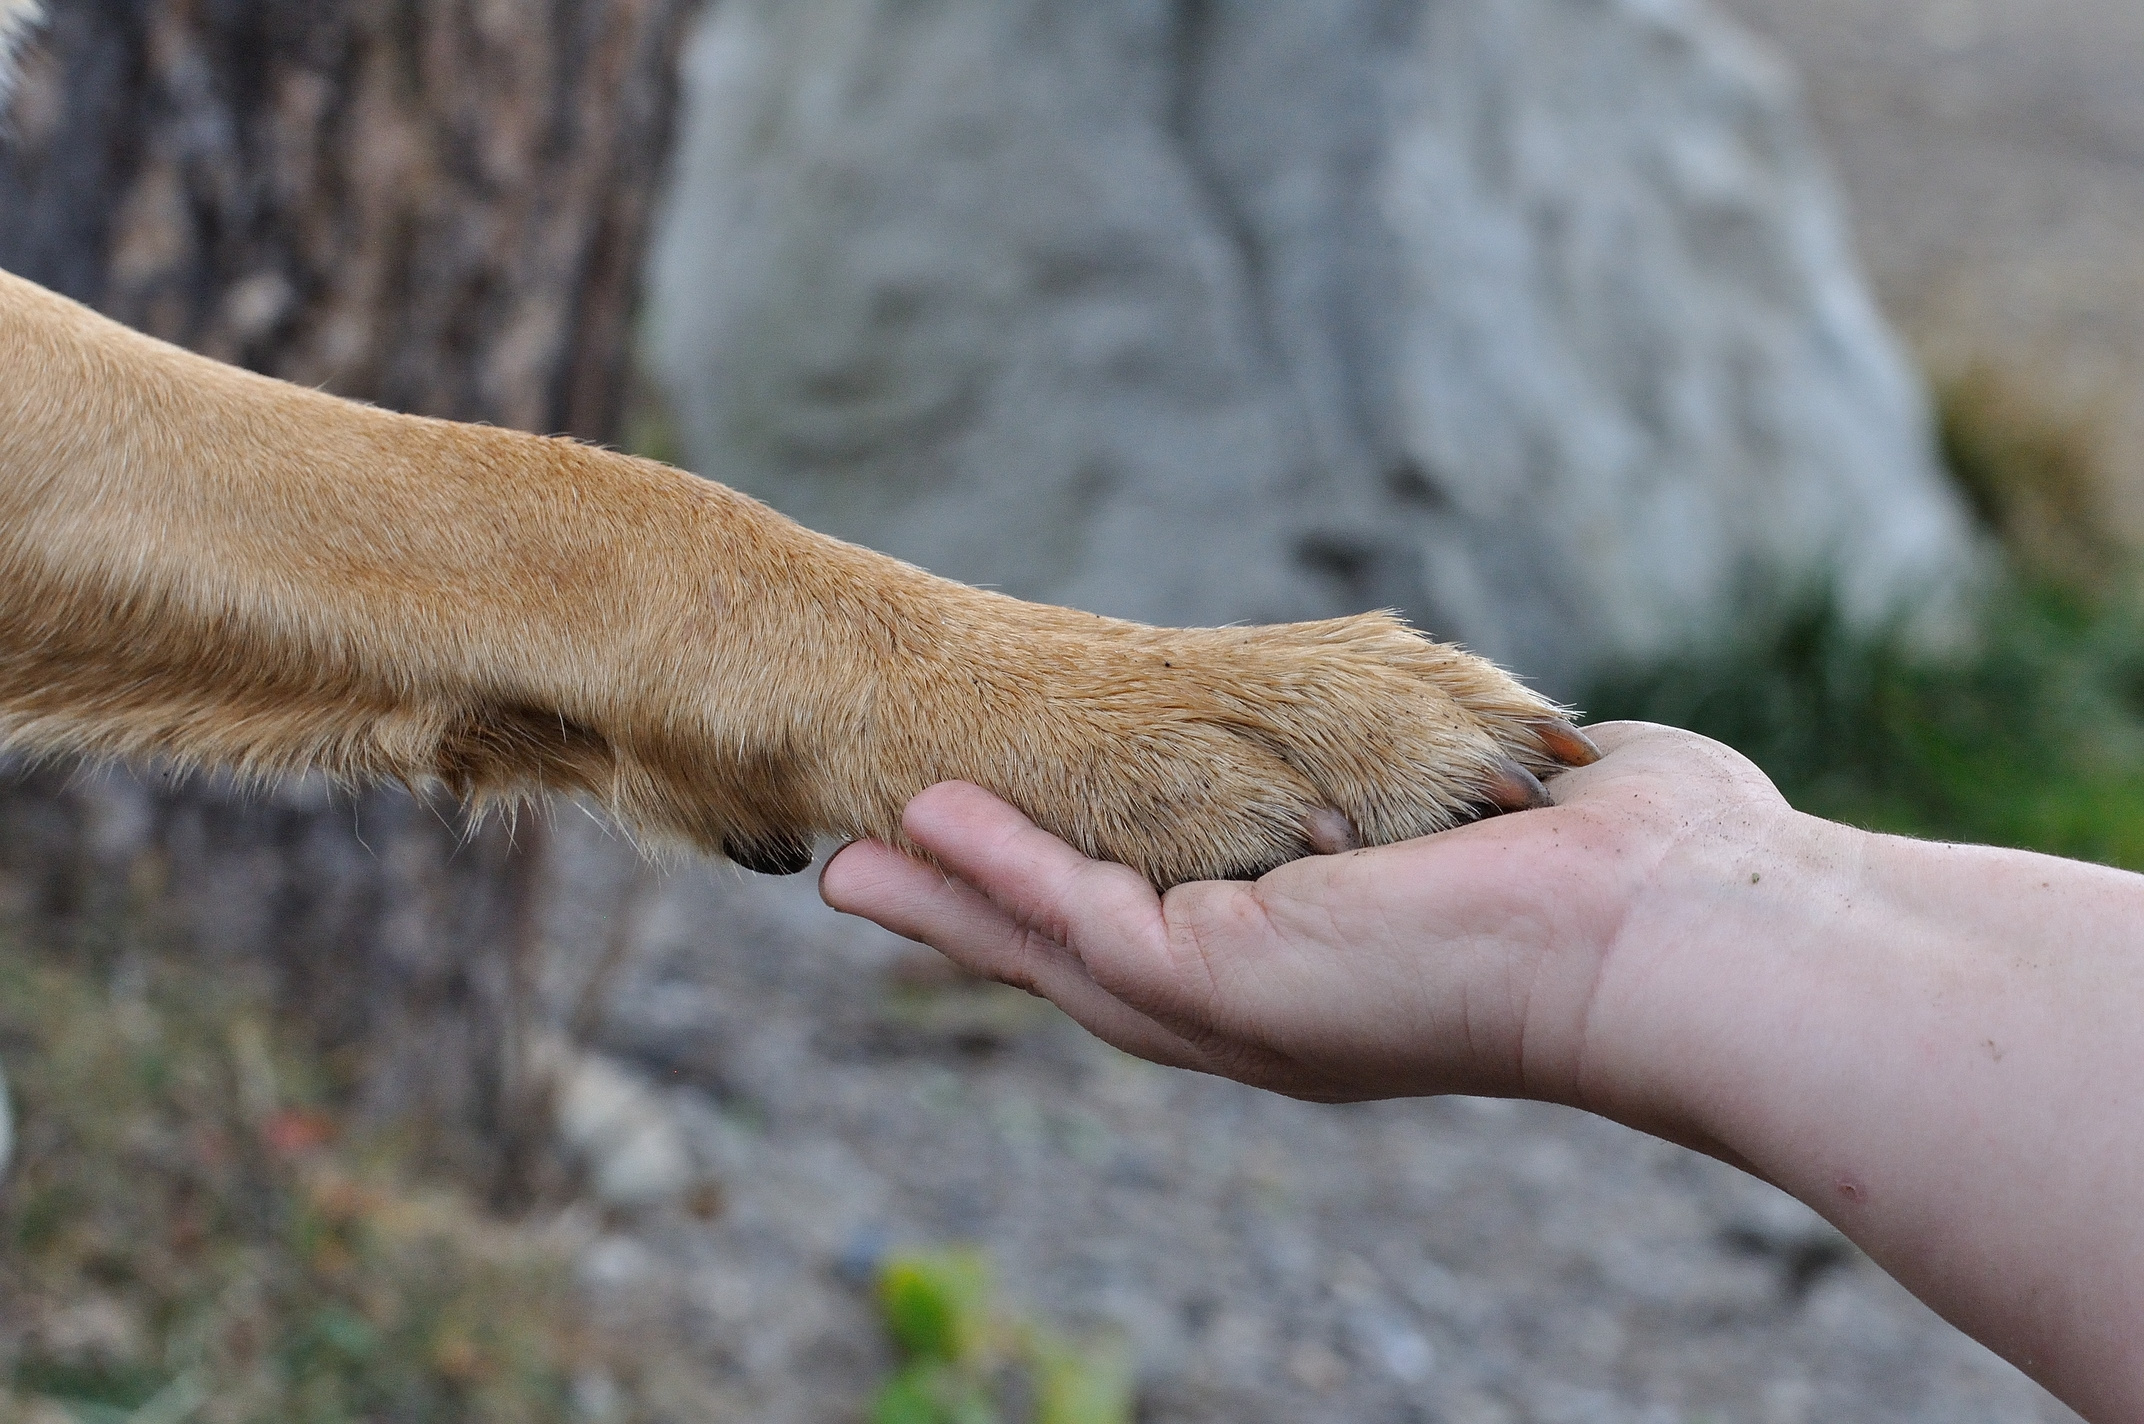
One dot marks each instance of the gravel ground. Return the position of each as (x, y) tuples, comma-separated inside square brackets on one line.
[(1993, 154), (1452, 1260)]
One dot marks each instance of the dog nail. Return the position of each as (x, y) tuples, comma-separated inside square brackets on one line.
[(1566, 743), (1331, 832), (1514, 788), (782, 855)]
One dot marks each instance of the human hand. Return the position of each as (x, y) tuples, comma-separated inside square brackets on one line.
[(1472, 961), (1932, 1045)]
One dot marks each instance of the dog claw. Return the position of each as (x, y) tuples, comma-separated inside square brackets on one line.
[(1514, 788), (1565, 743), (780, 856)]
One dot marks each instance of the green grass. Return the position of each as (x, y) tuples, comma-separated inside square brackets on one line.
[(2033, 737)]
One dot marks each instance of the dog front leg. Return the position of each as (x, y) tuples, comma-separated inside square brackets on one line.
[(205, 565)]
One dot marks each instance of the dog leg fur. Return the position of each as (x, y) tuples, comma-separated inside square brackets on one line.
[(209, 566)]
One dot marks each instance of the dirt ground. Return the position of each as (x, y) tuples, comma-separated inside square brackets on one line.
[(1993, 155)]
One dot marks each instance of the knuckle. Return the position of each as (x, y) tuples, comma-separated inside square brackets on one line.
[(1019, 973)]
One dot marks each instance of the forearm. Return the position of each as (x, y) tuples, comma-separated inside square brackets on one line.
[(1938, 1047)]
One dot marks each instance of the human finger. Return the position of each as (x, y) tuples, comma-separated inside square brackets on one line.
[(923, 902), (1037, 879)]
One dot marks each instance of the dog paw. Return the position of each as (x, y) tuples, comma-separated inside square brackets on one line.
[(1221, 753)]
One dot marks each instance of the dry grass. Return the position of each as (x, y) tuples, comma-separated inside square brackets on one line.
[(185, 1235), (2037, 476)]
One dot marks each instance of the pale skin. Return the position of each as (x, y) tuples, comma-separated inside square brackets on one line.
[(1935, 1046)]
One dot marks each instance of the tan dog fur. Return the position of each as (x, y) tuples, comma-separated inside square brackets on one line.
[(212, 567)]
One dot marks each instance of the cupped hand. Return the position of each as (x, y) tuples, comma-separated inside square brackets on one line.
[(1933, 1045), (1469, 961)]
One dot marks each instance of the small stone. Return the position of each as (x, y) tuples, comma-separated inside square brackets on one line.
[(1316, 1366)]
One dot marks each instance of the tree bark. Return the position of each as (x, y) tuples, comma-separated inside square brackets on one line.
[(437, 207)]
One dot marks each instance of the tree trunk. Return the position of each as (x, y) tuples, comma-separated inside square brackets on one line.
[(439, 208)]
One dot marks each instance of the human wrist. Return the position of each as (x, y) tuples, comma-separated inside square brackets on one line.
[(1728, 937)]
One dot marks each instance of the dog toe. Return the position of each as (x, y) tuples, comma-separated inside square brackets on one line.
[(1330, 832), (1563, 742)]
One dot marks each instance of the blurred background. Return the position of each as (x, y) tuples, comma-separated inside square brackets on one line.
[(1774, 370)]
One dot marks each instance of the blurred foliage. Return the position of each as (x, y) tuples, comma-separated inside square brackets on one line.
[(184, 1235), (650, 425), (2029, 734), (965, 1360), (2033, 738)]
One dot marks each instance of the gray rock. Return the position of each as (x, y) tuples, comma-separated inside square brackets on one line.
[(617, 1125), (1534, 318)]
